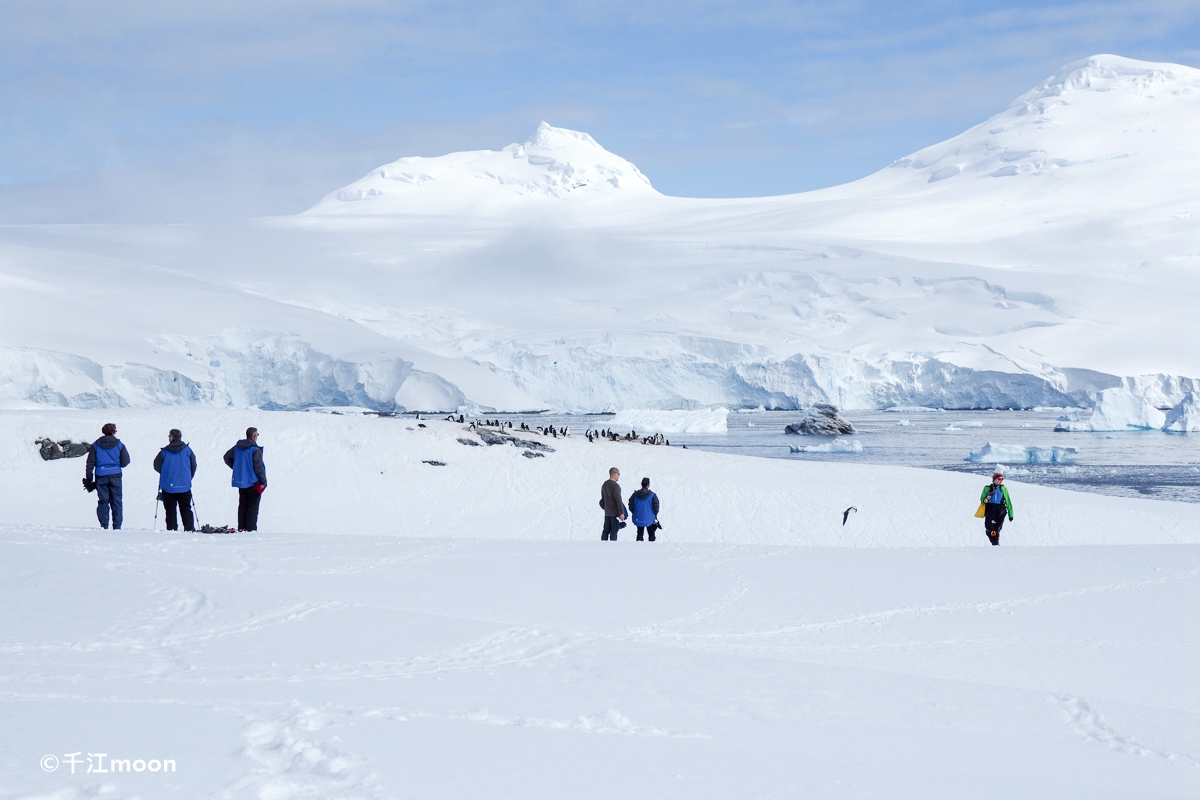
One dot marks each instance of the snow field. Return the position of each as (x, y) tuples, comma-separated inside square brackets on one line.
[(399, 629), (366, 475), (329, 666)]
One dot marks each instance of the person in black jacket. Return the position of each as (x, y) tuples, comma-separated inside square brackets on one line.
[(106, 458), (614, 509)]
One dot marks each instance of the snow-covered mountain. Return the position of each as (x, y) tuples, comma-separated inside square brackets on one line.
[(553, 164), (1042, 256)]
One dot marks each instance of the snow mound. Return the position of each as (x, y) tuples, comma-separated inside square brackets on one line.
[(708, 420), (1023, 454), (553, 164), (1184, 417), (1118, 409), (853, 446)]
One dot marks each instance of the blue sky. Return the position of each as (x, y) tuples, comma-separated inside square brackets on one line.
[(147, 111)]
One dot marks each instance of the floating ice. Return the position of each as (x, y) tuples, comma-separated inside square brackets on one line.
[(1117, 409), (853, 446), (1185, 416), (904, 423), (1023, 454), (705, 420)]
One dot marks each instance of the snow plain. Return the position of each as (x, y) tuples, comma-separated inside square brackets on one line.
[(405, 630)]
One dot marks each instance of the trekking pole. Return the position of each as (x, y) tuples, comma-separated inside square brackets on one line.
[(195, 515), (157, 497)]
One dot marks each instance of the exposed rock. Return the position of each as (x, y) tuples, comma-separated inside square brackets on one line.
[(490, 438), (468, 442), (545, 448), (530, 454), (62, 449), (435, 463), (822, 420)]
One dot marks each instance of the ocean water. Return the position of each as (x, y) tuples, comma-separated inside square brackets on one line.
[(1132, 464)]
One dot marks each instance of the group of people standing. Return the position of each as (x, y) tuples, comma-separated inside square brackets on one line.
[(176, 467), (994, 505), (643, 504)]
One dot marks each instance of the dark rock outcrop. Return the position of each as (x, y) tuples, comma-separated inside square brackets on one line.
[(822, 420), (62, 449)]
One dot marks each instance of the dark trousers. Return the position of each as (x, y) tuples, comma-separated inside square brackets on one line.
[(611, 526), (108, 496), (993, 520), (650, 530), (248, 500), (182, 501)]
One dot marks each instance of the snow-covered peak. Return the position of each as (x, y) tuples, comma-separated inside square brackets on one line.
[(554, 164), (1085, 121), (1107, 73)]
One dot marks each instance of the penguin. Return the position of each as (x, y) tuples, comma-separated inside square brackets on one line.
[(846, 515)]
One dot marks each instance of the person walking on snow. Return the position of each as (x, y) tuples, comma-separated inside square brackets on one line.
[(105, 460), (997, 505), (614, 509), (176, 466), (643, 505), (249, 476)]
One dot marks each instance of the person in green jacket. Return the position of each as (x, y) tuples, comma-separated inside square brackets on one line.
[(997, 505)]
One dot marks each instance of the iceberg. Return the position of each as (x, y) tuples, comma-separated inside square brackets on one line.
[(1023, 454), (1185, 416), (705, 420), (1117, 409), (853, 446)]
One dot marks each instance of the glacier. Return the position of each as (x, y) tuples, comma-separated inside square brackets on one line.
[(1184, 417), (1033, 260), (713, 420), (1117, 409)]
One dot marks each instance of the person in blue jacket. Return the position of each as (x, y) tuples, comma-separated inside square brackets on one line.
[(176, 466), (644, 505), (249, 476), (106, 458)]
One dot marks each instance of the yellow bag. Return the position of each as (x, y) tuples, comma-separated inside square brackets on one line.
[(981, 512)]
